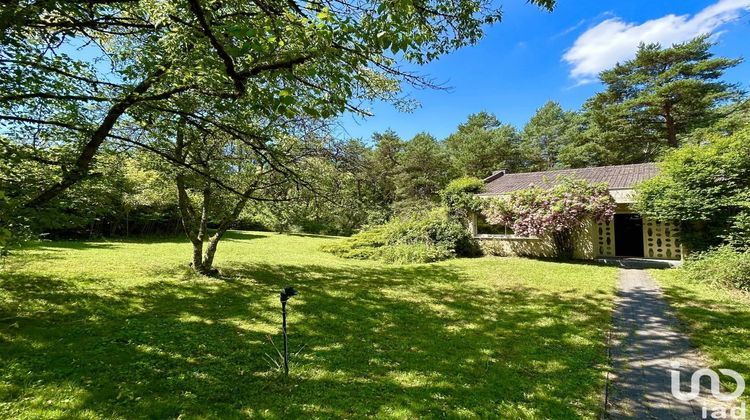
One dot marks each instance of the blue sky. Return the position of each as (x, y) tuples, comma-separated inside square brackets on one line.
[(533, 56)]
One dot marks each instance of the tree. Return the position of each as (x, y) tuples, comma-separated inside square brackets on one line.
[(384, 167), (652, 101), (423, 169), (233, 172), (481, 145), (548, 131), (317, 59), (705, 187), (557, 211), (344, 196)]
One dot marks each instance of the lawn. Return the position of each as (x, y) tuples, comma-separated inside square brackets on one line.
[(716, 319), (121, 329)]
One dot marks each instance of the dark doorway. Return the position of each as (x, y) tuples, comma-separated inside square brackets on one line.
[(628, 235)]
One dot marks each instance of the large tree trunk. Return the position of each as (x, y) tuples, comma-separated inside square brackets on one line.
[(208, 257), (195, 230), (196, 226), (197, 262), (203, 261), (224, 225), (671, 127)]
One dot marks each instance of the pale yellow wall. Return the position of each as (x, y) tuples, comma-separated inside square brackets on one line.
[(517, 246), (661, 240), (583, 248), (584, 241)]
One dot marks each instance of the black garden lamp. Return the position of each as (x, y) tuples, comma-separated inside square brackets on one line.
[(285, 295)]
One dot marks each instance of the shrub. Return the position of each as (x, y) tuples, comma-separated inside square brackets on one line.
[(738, 234), (706, 187), (413, 253), (414, 238), (722, 266), (460, 196)]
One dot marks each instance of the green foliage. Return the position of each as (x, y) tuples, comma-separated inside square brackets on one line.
[(738, 235), (654, 100), (723, 266), (545, 135), (586, 149), (459, 196), (416, 238), (412, 253), (481, 145), (259, 72), (4, 231), (735, 117), (354, 187), (383, 168), (706, 186), (423, 169)]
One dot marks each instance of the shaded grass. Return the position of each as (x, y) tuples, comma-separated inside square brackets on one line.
[(122, 329), (716, 319)]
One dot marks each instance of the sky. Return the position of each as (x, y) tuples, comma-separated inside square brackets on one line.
[(533, 56)]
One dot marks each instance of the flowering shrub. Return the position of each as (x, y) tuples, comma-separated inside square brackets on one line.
[(556, 211)]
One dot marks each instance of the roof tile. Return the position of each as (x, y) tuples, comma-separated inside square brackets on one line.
[(617, 176)]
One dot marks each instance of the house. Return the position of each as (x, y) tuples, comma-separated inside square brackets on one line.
[(627, 235)]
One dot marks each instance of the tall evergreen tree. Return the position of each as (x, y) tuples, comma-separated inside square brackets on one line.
[(653, 100), (483, 144), (384, 167), (423, 170), (549, 129)]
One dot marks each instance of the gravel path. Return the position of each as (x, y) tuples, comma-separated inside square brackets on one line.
[(645, 344)]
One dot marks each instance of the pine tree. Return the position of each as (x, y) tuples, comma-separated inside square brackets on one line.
[(652, 101)]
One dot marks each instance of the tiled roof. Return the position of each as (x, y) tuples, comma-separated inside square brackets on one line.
[(618, 176)]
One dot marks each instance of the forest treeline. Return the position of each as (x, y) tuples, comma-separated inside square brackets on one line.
[(661, 100)]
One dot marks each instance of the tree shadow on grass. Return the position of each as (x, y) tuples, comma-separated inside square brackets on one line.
[(313, 235), (79, 245), (716, 324), (238, 235), (396, 341)]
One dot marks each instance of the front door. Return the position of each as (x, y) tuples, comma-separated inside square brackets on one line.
[(628, 235)]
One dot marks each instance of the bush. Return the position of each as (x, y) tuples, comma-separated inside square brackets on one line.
[(460, 196), (706, 187), (415, 238), (413, 253), (723, 266)]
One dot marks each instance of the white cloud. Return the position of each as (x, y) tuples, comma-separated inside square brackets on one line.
[(614, 40)]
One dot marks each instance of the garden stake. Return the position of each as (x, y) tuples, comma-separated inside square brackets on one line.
[(286, 294)]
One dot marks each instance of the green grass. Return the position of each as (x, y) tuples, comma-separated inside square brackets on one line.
[(716, 319), (121, 329)]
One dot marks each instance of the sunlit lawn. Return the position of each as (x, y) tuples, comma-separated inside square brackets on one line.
[(122, 329), (716, 319)]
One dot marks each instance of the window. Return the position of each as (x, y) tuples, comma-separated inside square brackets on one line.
[(484, 228)]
